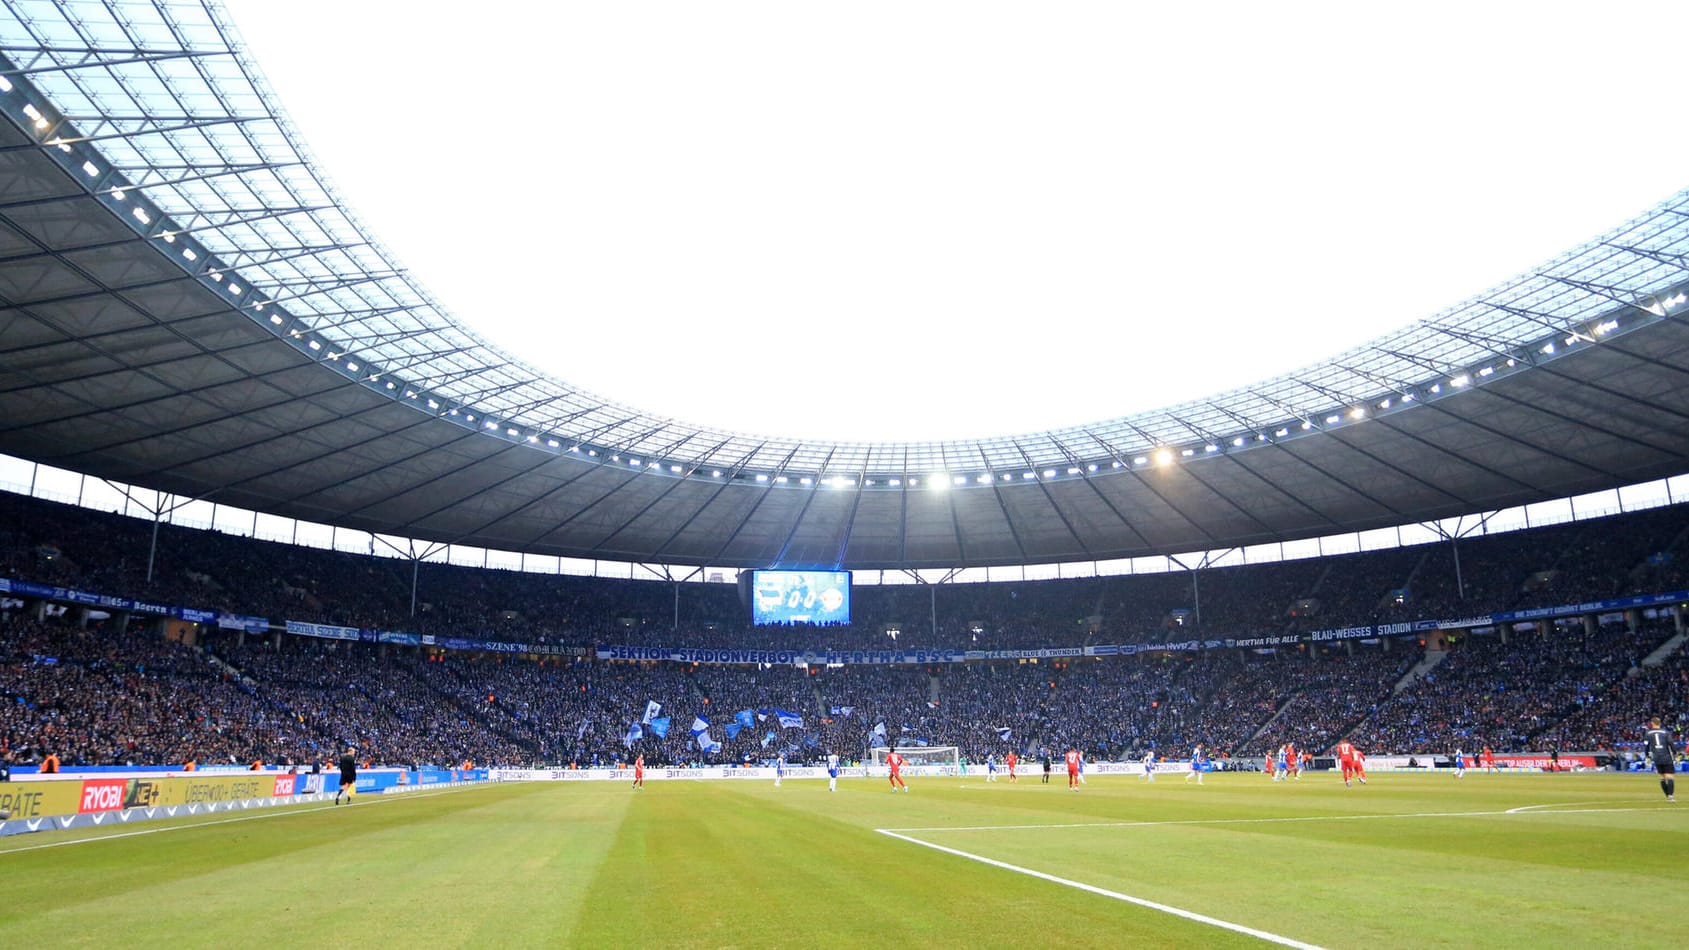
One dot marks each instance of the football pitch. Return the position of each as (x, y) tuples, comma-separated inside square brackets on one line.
[(1410, 860)]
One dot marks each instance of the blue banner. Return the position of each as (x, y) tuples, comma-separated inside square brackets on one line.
[(322, 630), (813, 657)]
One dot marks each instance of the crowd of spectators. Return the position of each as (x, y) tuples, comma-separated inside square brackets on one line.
[(106, 693), (1512, 694), (64, 545)]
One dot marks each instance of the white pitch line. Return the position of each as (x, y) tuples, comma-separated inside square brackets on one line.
[(1522, 809), (280, 812), (1116, 895), (1258, 821)]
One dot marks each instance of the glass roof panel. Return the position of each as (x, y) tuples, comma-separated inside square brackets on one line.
[(234, 216)]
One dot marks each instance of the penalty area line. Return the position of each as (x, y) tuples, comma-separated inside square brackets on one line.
[(281, 811), (1114, 895)]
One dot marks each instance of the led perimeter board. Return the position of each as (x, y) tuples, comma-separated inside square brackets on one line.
[(800, 597)]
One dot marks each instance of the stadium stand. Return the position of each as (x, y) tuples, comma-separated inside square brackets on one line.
[(99, 691)]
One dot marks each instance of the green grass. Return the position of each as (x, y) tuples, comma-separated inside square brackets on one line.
[(743, 864)]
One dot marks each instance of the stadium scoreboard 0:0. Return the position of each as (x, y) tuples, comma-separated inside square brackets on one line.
[(819, 597)]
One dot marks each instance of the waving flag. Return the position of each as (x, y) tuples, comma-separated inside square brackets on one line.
[(733, 729), (660, 727), (767, 739), (879, 731), (845, 711), (706, 743), (652, 708), (745, 717), (633, 734), (700, 724), (1003, 733), (788, 720)]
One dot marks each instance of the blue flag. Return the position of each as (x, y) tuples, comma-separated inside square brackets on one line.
[(845, 711), (705, 742), (879, 731), (700, 724), (660, 727), (767, 739), (633, 734), (733, 730), (745, 717), (1003, 733), (788, 720), (652, 708)]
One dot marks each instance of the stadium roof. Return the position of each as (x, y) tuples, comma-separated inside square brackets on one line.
[(186, 305)]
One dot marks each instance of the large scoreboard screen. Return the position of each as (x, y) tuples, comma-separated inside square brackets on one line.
[(800, 597)]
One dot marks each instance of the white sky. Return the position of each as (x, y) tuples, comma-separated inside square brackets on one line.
[(950, 219)]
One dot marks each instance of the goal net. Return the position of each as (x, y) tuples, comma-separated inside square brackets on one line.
[(934, 756)]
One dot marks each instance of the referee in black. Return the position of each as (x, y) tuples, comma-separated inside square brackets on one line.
[(1658, 744), (348, 774)]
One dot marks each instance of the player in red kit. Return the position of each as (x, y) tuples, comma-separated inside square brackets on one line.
[(1293, 764), (1010, 761), (1346, 760), (1073, 769), (1269, 765), (894, 762), (1359, 760), (639, 771), (1487, 760)]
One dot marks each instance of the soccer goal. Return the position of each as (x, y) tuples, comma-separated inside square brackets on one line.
[(924, 756)]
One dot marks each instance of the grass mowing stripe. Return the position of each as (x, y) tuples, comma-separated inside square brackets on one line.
[(1116, 895), (283, 811), (1512, 812), (498, 865)]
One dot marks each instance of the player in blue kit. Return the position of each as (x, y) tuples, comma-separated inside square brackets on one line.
[(832, 771), (1199, 764)]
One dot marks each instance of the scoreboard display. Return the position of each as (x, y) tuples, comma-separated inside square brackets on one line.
[(800, 597)]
